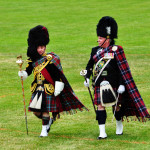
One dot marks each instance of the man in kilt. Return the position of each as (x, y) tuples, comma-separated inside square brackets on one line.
[(51, 92), (112, 69)]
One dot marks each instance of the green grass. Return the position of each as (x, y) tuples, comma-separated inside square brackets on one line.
[(72, 28)]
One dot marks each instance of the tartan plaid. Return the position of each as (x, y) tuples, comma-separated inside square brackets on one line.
[(67, 100), (55, 60), (38, 62), (134, 104), (52, 103), (97, 100)]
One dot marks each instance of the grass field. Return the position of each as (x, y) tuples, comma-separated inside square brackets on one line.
[(72, 28)]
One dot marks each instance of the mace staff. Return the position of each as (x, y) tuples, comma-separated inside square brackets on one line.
[(20, 63), (83, 73)]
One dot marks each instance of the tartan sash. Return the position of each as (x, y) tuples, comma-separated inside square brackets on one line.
[(38, 62), (55, 60)]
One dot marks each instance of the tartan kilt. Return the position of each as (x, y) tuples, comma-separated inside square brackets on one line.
[(52, 103), (97, 99), (65, 101)]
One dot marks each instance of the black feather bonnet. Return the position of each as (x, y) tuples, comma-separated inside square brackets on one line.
[(107, 27), (38, 36)]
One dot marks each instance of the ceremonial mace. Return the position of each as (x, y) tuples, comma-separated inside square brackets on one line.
[(83, 73), (20, 63)]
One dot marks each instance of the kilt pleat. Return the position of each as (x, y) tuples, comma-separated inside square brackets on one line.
[(52, 103)]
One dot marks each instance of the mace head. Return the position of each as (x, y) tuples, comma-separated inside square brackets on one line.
[(19, 60), (83, 72)]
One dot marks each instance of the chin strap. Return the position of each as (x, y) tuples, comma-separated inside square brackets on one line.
[(103, 43)]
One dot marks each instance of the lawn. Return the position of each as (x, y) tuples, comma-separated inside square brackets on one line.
[(72, 28)]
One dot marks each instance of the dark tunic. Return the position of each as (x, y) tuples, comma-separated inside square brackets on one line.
[(111, 74)]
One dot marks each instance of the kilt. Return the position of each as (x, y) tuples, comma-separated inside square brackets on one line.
[(97, 99), (52, 103)]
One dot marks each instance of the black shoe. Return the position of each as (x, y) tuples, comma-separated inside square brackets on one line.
[(100, 138), (120, 134), (41, 136)]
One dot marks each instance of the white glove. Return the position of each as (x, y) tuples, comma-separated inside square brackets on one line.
[(23, 74), (87, 83), (121, 89), (59, 86)]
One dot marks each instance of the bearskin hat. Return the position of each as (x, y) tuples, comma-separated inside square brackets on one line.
[(107, 27), (38, 36)]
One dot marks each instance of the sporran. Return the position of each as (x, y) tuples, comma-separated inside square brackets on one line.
[(107, 94)]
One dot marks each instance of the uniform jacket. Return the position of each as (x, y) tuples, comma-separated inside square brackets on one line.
[(113, 74), (133, 104), (68, 99)]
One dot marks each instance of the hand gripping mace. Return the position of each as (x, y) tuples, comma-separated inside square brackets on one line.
[(20, 63), (83, 73)]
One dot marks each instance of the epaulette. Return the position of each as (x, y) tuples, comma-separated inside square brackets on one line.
[(29, 60), (114, 48), (49, 57)]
